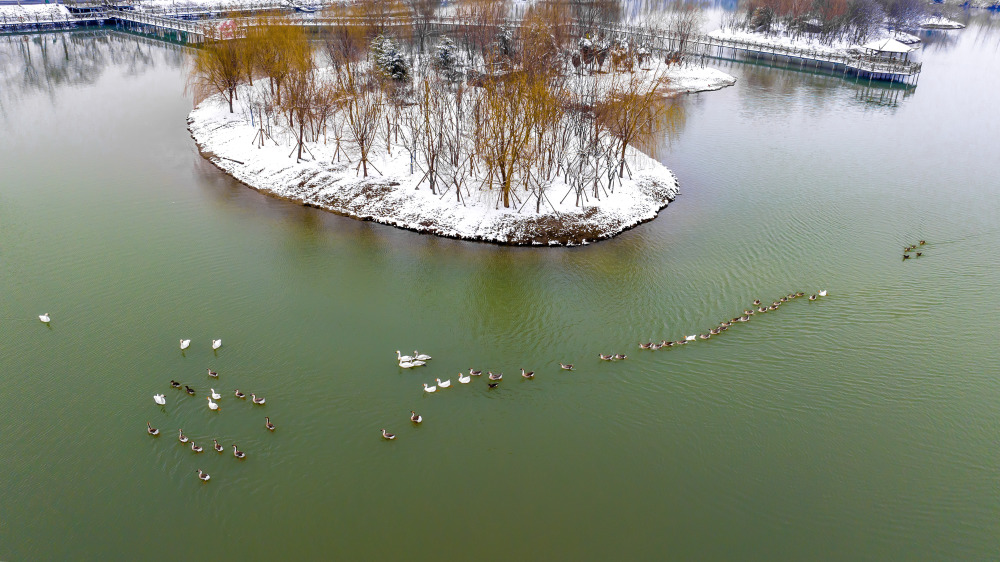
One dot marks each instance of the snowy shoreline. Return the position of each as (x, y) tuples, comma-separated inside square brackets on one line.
[(396, 198)]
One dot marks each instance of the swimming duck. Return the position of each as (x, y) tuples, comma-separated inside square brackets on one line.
[(922, 242), (388, 436), (216, 344), (775, 304), (783, 299), (773, 307), (666, 343), (159, 399), (415, 418), (919, 254), (211, 405), (152, 430), (654, 346), (748, 312), (812, 297), (527, 375), (566, 366), (239, 394), (238, 453), (185, 344), (605, 357), (181, 437), (402, 358), (822, 293), (744, 318), (421, 356), (906, 256), (756, 302), (218, 448), (268, 424), (800, 294), (492, 384), (464, 379), (645, 345), (621, 356), (259, 401), (443, 384), (202, 475), (189, 390), (714, 331), (430, 388), (196, 448), (681, 342), (495, 376), (705, 336), (474, 373), (762, 309), (728, 324), (175, 384), (213, 374), (44, 318), (215, 395)]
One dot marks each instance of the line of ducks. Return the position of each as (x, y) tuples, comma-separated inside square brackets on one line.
[(258, 400), (495, 377), (410, 361), (724, 325), (216, 344), (911, 248)]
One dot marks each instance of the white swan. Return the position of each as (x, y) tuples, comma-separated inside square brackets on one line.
[(430, 388), (822, 293), (690, 338), (406, 365), (44, 318), (185, 344), (211, 405), (418, 363), (216, 344), (421, 356), (443, 384), (402, 358), (464, 380), (215, 395), (159, 399)]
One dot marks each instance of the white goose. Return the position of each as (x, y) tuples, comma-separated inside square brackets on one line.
[(159, 399), (430, 388), (690, 338), (215, 395), (216, 344), (822, 293), (185, 344), (443, 384), (402, 358), (421, 356), (211, 405), (44, 318), (464, 380)]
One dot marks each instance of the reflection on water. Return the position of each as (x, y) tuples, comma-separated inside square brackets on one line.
[(46, 62)]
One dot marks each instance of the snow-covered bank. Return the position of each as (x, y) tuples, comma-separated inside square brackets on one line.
[(805, 40), (34, 12), (395, 197)]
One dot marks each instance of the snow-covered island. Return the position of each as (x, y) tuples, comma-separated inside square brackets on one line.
[(546, 209)]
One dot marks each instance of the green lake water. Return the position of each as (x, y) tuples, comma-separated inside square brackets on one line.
[(862, 426)]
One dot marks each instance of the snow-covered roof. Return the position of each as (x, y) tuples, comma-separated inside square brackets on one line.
[(887, 46)]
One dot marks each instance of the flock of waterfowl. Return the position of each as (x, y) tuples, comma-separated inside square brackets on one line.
[(913, 248), (406, 361), (213, 406)]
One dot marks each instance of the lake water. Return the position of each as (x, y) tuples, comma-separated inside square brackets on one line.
[(860, 426)]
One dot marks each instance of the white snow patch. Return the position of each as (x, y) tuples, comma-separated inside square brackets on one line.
[(396, 199), (34, 12)]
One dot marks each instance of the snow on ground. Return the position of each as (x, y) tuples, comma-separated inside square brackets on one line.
[(687, 79), (803, 41), (394, 197), (939, 22), (34, 12)]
